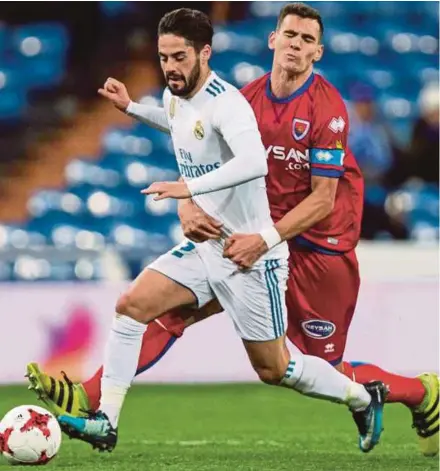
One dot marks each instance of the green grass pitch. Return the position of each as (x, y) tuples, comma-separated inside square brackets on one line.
[(235, 427)]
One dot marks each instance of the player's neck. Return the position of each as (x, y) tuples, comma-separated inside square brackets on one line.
[(283, 84), (202, 80)]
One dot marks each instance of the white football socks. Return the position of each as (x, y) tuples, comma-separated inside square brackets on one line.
[(120, 364), (313, 376)]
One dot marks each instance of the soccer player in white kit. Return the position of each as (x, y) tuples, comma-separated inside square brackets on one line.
[(222, 162)]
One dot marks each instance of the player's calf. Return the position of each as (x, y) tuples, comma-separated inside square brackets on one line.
[(151, 294), (314, 377), (271, 376)]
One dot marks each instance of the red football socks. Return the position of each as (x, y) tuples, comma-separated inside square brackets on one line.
[(156, 342), (408, 391)]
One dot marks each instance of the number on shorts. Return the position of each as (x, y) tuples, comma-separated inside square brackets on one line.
[(184, 249)]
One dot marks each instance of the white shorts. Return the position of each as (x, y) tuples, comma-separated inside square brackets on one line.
[(255, 299)]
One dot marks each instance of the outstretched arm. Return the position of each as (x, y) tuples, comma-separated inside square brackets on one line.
[(116, 92), (153, 116), (234, 119)]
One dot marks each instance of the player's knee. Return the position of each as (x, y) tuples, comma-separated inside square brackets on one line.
[(270, 375), (127, 305), (123, 304)]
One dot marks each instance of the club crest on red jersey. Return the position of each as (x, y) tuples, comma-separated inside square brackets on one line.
[(300, 128)]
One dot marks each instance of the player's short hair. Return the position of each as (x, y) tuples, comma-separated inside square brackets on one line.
[(192, 25), (303, 11)]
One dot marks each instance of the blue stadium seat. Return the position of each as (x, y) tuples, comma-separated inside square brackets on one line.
[(375, 195), (396, 107), (6, 270), (419, 202), (224, 64), (401, 130), (82, 172), (138, 141), (238, 39), (12, 104), (101, 203), (115, 8), (21, 237), (154, 234), (11, 78), (40, 40), (46, 201), (39, 50), (42, 73), (47, 224), (34, 269)]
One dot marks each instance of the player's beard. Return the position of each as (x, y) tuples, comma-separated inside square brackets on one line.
[(190, 82)]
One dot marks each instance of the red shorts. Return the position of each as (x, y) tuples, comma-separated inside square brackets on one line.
[(321, 297)]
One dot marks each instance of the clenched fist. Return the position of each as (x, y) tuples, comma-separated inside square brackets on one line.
[(116, 92)]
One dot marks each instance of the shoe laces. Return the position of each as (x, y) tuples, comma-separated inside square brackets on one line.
[(97, 422)]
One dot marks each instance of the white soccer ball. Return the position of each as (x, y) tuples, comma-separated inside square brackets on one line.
[(29, 435)]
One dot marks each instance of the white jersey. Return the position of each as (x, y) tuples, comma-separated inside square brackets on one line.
[(200, 128)]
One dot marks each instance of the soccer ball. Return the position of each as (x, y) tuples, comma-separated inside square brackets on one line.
[(29, 435)]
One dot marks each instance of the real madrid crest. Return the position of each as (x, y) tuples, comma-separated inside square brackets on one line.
[(199, 132), (172, 107)]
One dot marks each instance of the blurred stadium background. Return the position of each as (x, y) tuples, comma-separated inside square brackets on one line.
[(74, 228), (71, 167), (73, 225)]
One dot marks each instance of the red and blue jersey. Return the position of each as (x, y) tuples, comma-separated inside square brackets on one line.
[(305, 135)]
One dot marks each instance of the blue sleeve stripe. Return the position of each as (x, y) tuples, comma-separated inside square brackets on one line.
[(322, 172), (219, 85), (327, 156)]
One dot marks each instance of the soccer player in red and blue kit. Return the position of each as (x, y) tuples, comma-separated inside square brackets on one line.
[(315, 190)]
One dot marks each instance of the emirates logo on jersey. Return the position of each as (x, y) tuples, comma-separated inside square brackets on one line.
[(300, 128)]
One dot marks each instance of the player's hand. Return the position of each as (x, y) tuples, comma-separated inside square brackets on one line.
[(196, 224), (163, 190), (116, 92), (245, 249)]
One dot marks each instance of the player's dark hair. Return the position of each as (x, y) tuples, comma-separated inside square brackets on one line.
[(303, 11), (192, 25)]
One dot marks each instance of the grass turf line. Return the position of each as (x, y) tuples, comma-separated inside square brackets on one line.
[(235, 427)]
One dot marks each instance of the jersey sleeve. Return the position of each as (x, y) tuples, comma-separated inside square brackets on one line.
[(234, 119), (233, 115), (153, 116), (329, 136)]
